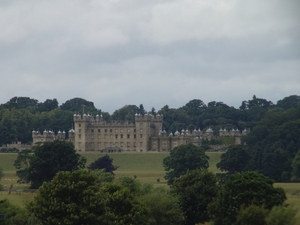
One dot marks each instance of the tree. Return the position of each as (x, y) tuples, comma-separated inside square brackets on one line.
[(14, 215), (1, 175), (86, 197), (104, 162), (164, 208), (182, 159), (234, 159), (296, 168), (50, 158), (22, 164), (282, 215), (244, 189), (78, 105), (196, 190), (252, 215)]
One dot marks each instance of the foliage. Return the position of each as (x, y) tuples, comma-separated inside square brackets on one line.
[(50, 158), (22, 164), (182, 159), (104, 162), (274, 142), (252, 214), (87, 197), (67, 199), (14, 215), (282, 215), (195, 190), (126, 113), (78, 105), (164, 208), (1, 175), (296, 168), (233, 160), (244, 189)]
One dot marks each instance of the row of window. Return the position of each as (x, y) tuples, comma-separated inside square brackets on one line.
[(111, 136), (111, 130), (109, 144), (163, 143)]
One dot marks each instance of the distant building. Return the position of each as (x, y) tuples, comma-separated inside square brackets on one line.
[(146, 134)]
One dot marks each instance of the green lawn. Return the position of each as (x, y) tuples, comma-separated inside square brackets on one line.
[(147, 167)]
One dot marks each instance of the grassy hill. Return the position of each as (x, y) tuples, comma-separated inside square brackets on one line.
[(147, 167)]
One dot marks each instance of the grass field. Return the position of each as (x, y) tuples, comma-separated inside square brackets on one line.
[(147, 167)]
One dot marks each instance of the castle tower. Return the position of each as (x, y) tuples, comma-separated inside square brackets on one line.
[(80, 126)]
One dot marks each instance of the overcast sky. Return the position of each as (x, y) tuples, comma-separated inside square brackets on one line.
[(155, 52)]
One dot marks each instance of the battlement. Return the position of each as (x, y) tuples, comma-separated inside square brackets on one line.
[(148, 118)]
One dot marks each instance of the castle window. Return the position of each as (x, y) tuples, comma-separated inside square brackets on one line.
[(92, 145), (141, 136), (128, 144), (79, 135), (116, 144), (110, 130), (92, 136), (99, 136), (164, 143), (174, 144), (92, 130), (111, 144), (79, 130), (134, 130), (134, 144), (105, 130), (105, 144), (121, 144), (141, 130), (116, 136), (128, 135), (121, 135), (134, 136), (128, 130), (111, 136), (121, 130), (116, 130), (154, 144), (141, 144), (99, 130), (99, 145), (79, 125), (79, 144)]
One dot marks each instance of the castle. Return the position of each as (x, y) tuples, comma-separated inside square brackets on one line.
[(146, 134)]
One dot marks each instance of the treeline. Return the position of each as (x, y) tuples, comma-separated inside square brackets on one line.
[(272, 147), (20, 115)]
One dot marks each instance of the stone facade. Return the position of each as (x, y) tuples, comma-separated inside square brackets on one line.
[(92, 133)]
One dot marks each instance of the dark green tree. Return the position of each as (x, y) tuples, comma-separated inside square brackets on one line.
[(86, 197), (252, 214), (296, 168), (50, 158), (244, 189), (48, 105), (22, 164), (126, 113), (196, 190), (164, 208), (234, 160), (105, 163), (14, 215), (1, 175), (289, 102), (78, 105), (183, 159)]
